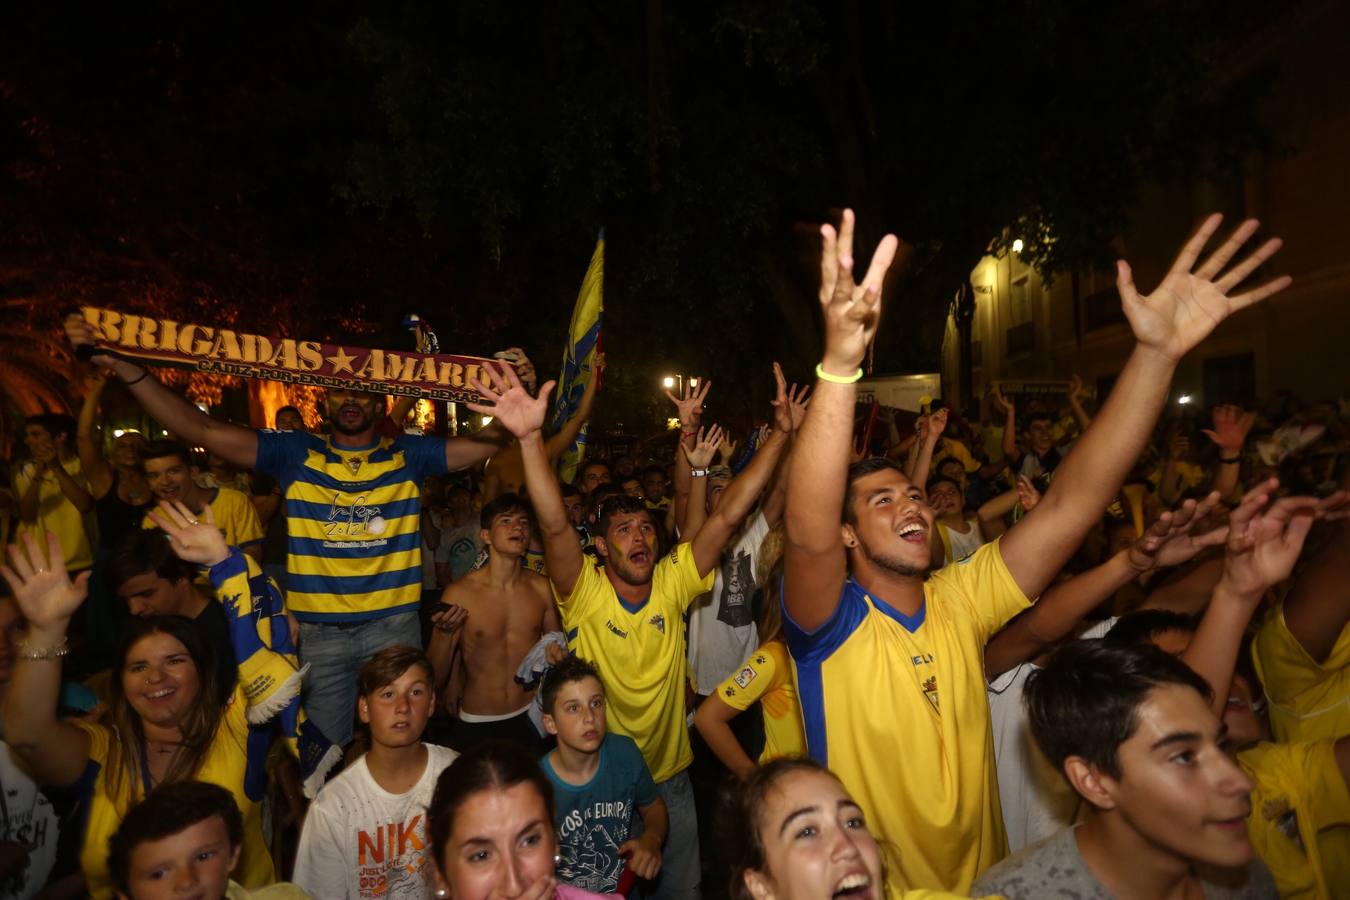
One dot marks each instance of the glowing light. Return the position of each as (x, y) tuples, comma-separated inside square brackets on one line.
[(1184, 399), (487, 420), (693, 381), (1018, 245), (203, 407), (118, 432), (668, 382), (672, 423)]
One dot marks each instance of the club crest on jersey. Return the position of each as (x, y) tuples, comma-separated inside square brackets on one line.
[(930, 691), (659, 621), (354, 463), (745, 676)]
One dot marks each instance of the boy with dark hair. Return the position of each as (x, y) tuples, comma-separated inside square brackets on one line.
[(146, 573), (1131, 729), (507, 608), (183, 840), (599, 780), (365, 835), (167, 466)]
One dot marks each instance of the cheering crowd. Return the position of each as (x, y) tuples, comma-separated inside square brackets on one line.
[(1059, 652)]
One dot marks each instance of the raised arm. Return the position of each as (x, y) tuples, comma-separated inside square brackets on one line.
[(937, 422), (232, 442), (1009, 411), (690, 410), (1168, 542), (1317, 608), (523, 416), (557, 444), (776, 502), (1229, 434), (1264, 541), (1188, 304), (1076, 403), (55, 752), (92, 462), (814, 560), (745, 489), (697, 458)]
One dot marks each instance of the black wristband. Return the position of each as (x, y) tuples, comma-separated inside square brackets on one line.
[(145, 373), (1230, 460)]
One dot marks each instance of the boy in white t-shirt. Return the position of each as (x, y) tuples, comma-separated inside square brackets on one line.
[(366, 835)]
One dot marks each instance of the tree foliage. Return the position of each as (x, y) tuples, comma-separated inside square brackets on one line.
[(322, 168)]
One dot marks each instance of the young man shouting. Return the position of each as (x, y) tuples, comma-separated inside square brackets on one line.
[(860, 609)]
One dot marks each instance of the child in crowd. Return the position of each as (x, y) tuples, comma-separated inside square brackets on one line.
[(183, 840), (365, 835), (599, 781)]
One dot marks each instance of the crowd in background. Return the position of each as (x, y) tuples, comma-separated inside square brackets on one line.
[(684, 670)]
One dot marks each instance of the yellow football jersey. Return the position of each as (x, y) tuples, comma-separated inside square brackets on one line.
[(640, 653), (895, 705), (1299, 818), (766, 677), (1308, 700)]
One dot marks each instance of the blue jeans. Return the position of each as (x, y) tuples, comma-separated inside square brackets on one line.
[(335, 654), (680, 874)]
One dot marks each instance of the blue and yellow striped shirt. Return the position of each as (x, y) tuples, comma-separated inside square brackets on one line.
[(352, 519)]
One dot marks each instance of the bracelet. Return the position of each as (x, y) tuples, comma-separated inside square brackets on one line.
[(838, 379), (145, 373), (1229, 460), (699, 473), (23, 651)]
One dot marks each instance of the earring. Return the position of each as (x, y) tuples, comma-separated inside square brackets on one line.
[(557, 860), (442, 892)]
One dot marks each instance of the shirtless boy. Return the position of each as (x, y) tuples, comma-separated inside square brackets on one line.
[(506, 609)]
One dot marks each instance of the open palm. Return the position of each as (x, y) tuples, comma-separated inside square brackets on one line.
[(46, 596), (510, 403), (1169, 541), (1265, 539), (1191, 302)]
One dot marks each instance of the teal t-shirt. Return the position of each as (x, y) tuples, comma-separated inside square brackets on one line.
[(594, 819)]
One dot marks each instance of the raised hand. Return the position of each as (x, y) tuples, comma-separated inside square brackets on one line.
[(789, 404), (1027, 495), (690, 406), (46, 595), (1169, 542), (524, 369), (509, 402), (700, 456), (1001, 403), (851, 310), (1265, 539), (1075, 391), (197, 541), (937, 423), (1231, 424), (1191, 302), (726, 451)]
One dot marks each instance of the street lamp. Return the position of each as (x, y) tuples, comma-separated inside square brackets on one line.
[(668, 382), (1018, 245)]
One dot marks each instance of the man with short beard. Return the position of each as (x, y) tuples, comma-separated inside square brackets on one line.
[(627, 615), (353, 501), (889, 661)]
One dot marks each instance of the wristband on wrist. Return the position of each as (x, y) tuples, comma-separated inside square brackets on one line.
[(698, 473), (1229, 460), (145, 373), (838, 379), (37, 654)]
